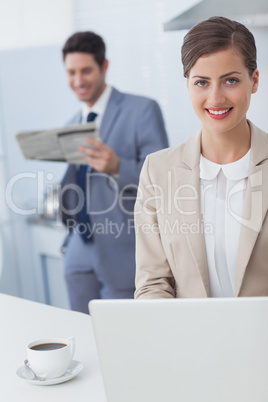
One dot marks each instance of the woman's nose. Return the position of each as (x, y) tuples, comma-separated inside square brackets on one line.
[(216, 95)]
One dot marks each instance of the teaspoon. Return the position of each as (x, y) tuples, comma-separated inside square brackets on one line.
[(35, 377)]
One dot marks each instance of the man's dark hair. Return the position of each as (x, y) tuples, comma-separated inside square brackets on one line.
[(86, 42)]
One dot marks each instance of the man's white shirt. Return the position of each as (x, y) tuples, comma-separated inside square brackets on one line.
[(99, 107)]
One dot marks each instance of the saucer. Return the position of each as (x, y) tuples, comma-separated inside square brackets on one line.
[(74, 369)]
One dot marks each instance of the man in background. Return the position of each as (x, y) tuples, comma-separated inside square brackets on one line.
[(99, 259)]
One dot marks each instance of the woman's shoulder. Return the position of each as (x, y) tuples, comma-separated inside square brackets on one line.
[(259, 144), (167, 153), (175, 155), (255, 129)]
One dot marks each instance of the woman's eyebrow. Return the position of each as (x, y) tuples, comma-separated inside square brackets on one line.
[(222, 76), (232, 72)]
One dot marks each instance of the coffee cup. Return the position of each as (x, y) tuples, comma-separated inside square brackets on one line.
[(50, 358)]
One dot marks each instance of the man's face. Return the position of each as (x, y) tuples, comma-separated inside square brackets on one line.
[(86, 78)]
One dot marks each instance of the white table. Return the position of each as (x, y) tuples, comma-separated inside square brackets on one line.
[(23, 321)]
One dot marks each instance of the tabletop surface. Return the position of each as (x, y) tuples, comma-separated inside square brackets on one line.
[(23, 321)]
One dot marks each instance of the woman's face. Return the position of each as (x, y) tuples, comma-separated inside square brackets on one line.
[(220, 89)]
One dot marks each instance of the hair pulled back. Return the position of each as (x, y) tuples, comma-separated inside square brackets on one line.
[(216, 34)]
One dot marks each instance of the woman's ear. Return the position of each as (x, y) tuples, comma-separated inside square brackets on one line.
[(255, 81)]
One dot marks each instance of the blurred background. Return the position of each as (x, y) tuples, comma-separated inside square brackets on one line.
[(143, 47)]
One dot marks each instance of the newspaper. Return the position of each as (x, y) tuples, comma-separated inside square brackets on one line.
[(58, 144)]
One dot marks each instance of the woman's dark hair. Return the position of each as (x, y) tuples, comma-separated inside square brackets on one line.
[(216, 34), (86, 42)]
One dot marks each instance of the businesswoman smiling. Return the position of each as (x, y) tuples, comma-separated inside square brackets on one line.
[(201, 212)]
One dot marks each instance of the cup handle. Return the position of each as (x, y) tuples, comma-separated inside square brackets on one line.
[(71, 339)]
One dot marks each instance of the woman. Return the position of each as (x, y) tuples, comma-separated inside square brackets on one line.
[(201, 211)]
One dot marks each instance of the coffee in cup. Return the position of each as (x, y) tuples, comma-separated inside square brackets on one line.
[(50, 358)]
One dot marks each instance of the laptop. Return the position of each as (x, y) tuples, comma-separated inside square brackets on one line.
[(185, 350)]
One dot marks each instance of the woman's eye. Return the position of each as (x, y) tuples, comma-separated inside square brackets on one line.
[(201, 83), (231, 81)]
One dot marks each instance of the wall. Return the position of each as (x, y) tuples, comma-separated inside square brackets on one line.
[(144, 59), (26, 23), (33, 93)]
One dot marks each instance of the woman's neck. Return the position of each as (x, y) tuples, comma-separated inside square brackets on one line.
[(226, 147)]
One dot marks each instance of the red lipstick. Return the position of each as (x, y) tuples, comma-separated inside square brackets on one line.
[(219, 112)]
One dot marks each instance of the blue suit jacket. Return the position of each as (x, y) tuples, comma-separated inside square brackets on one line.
[(133, 127)]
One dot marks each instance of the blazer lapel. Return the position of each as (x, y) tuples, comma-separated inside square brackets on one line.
[(188, 190), (256, 201), (112, 111)]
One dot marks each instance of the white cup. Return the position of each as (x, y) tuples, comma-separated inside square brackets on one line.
[(50, 358)]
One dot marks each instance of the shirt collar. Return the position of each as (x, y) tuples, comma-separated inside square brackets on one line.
[(237, 170), (99, 106)]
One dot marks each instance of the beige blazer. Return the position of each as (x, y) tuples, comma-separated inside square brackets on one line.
[(170, 243)]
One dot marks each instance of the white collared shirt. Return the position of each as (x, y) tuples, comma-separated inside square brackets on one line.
[(223, 189), (99, 107)]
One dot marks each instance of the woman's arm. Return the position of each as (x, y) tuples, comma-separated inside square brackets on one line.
[(154, 278)]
